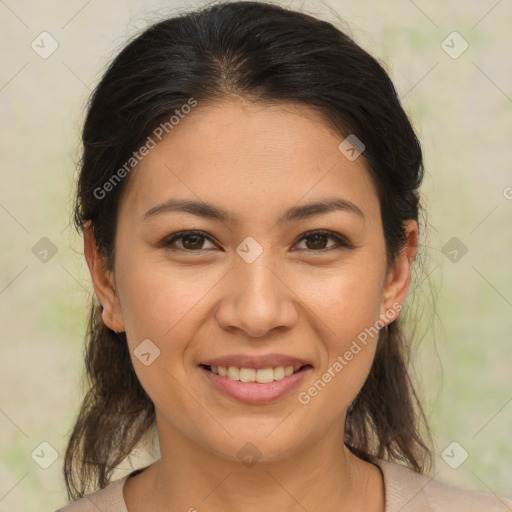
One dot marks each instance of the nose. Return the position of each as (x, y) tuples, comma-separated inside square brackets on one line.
[(256, 299)]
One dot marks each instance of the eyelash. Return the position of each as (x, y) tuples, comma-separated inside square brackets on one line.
[(340, 241)]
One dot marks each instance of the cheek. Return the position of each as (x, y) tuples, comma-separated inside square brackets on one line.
[(348, 304), (165, 306), (162, 303), (347, 300), (335, 388), (349, 308)]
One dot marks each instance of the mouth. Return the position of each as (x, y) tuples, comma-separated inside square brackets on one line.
[(256, 375), (256, 386)]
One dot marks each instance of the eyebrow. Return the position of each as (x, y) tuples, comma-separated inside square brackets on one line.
[(208, 210)]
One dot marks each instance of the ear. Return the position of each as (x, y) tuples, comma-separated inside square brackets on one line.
[(103, 281), (399, 275)]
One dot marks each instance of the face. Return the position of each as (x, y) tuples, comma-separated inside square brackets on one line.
[(261, 277)]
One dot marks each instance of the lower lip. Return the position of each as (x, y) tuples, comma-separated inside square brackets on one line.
[(254, 392)]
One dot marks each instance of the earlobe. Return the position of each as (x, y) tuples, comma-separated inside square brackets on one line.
[(103, 281), (399, 276)]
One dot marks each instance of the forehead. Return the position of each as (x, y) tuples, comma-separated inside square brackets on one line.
[(250, 157)]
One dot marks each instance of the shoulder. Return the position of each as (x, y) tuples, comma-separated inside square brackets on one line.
[(110, 499), (408, 491)]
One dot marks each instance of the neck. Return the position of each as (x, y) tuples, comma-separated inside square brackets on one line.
[(324, 475)]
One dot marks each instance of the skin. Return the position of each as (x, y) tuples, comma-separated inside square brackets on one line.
[(298, 297)]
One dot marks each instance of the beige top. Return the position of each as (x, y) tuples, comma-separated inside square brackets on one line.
[(405, 490)]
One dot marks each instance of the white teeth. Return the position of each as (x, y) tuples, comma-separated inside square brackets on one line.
[(247, 374), (264, 375), (279, 372), (260, 375), (233, 373)]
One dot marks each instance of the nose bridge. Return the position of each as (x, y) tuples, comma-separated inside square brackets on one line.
[(257, 281), (256, 300), (253, 263)]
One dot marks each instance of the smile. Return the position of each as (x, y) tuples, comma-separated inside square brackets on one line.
[(255, 386), (260, 375)]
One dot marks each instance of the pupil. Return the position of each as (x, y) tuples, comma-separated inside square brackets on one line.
[(316, 240), (194, 244)]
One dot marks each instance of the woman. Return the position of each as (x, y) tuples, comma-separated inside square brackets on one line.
[(249, 201)]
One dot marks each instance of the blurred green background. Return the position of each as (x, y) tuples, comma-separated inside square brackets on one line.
[(460, 101)]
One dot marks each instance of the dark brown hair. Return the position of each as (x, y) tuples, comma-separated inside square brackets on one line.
[(264, 53)]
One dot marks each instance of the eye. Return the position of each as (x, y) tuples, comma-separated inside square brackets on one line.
[(317, 240), (191, 241)]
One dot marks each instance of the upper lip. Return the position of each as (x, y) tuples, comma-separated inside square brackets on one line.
[(263, 361)]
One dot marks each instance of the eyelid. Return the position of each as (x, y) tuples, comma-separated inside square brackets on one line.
[(341, 241)]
